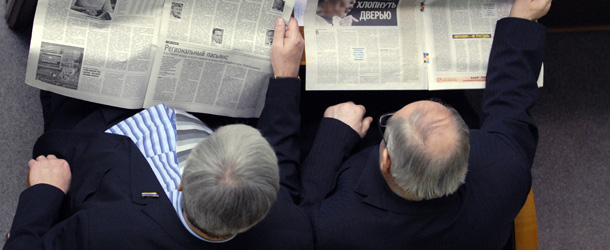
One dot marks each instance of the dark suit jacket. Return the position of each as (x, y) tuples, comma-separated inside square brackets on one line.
[(352, 207), (104, 208)]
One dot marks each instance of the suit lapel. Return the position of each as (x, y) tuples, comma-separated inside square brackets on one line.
[(160, 209), (142, 179), (104, 118)]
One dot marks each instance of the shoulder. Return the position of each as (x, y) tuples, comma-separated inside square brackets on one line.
[(286, 226)]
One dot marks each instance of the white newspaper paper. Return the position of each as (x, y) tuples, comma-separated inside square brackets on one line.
[(401, 44), (102, 54), (201, 56), (214, 57)]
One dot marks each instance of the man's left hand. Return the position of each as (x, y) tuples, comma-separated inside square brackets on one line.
[(50, 170)]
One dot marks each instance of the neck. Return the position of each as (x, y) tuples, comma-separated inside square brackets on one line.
[(201, 233), (396, 189)]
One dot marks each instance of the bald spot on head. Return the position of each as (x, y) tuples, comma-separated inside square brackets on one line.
[(436, 130)]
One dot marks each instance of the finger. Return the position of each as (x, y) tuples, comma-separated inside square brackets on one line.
[(40, 158), (354, 19), (293, 28), (362, 109), (51, 157), (278, 34), (328, 112), (31, 163), (366, 124), (547, 6)]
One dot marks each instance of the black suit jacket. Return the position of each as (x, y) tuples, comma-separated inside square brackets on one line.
[(104, 208), (352, 207)]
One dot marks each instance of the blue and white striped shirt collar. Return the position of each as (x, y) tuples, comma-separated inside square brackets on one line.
[(154, 132)]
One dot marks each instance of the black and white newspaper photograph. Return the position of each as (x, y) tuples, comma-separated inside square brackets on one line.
[(59, 65), (96, 9)]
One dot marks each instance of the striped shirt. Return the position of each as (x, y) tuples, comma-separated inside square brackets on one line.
[(165, 137), (190, 132)]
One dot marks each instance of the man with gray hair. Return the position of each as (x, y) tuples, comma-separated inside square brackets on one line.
[(434, 143), (114, 180), (431, 183), (230, 182)]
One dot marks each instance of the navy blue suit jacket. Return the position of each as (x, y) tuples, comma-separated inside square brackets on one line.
[(352, 207), (104, 208)]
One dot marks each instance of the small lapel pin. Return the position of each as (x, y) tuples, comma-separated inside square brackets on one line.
[(150, 195)]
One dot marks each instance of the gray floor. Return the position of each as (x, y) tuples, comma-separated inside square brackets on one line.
[(20, 121), (571, 170), (571, 177)]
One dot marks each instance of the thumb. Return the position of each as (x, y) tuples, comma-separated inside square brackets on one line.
[(366, 124), (280, 30)]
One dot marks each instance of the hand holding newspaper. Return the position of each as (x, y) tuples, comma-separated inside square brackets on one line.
[(208, 57), (400, 44)]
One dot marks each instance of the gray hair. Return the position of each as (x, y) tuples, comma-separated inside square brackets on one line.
[(419, 170), (230, 181)]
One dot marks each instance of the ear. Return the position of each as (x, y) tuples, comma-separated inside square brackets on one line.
[(384, 161), (180, 186)]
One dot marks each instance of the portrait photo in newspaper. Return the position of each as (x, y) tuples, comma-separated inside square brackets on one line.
[(278, 5), (217, 36), (59, 65), (269, 37), (96, 9), (176, 11)]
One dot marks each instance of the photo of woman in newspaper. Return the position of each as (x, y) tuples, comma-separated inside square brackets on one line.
[(356, 13), (334, 13), (98, 9)]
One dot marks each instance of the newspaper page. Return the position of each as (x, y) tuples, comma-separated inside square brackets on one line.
[(214, 55), (96, 50), (459, 35), (364, 45)]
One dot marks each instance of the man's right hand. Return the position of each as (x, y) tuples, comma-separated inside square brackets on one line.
[(530, 9), (352, 115), (50, 170), (286, 49)]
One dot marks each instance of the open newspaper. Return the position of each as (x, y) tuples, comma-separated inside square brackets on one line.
[(207, 56), (400, 44)]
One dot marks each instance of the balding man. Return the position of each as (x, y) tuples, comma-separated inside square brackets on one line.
[(432, 183)]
